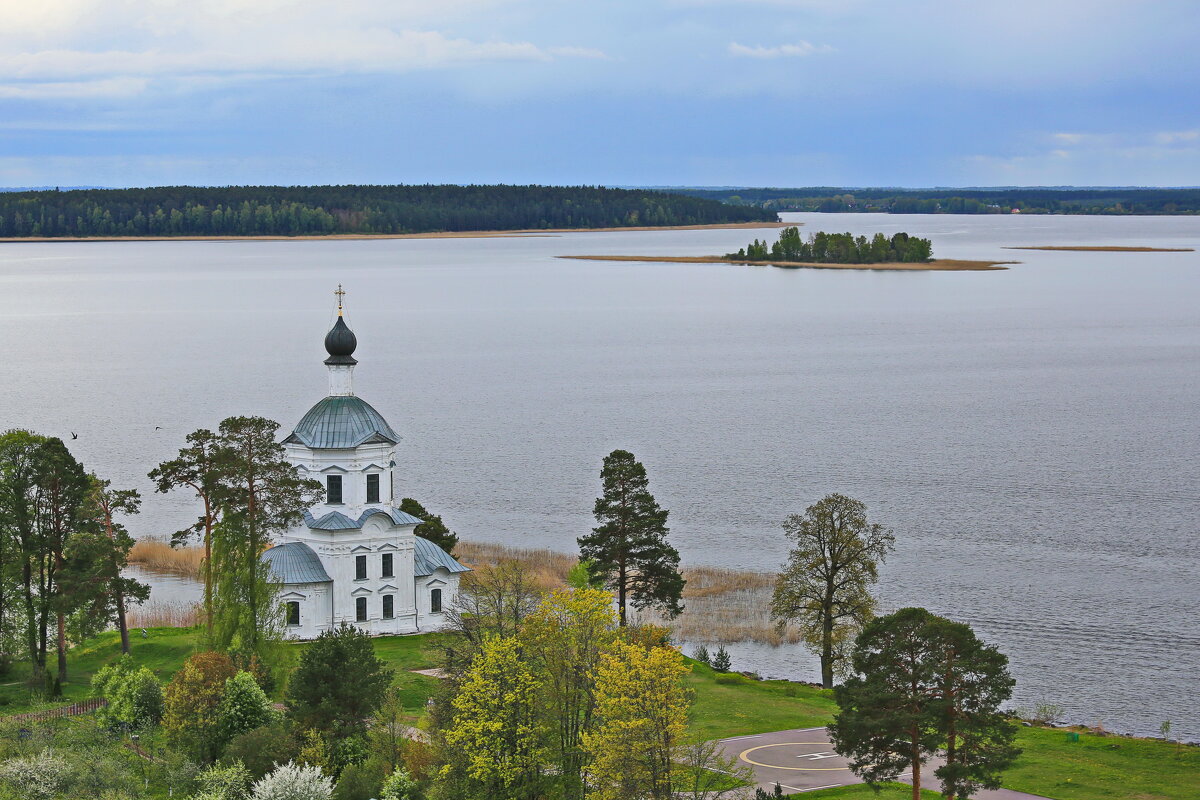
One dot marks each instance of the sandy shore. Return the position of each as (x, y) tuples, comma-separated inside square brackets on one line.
[(937, 265), (1106, 249), (526, 233)]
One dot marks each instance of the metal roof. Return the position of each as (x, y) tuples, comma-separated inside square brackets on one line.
[(341, 423), (427, 557), (295, 562), (337, 521)]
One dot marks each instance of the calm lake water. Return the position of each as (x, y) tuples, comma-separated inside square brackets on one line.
[(1031, 436)]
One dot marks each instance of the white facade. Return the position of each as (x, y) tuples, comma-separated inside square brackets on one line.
[(356, 560)]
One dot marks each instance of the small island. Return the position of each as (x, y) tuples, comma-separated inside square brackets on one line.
[(823, 250)]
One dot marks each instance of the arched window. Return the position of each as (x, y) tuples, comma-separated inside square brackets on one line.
[(435, 601)]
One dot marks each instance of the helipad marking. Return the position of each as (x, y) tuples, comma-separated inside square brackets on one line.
[(744, 756)]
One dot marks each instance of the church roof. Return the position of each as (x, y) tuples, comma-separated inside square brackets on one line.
[(295, 562), (341, 423), (427, 557), (337, 521)]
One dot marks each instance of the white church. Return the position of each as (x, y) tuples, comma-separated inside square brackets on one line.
[(356, 559)]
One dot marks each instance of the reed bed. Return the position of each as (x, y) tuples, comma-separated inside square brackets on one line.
[(165, 614), (720, 605), (157, 555)]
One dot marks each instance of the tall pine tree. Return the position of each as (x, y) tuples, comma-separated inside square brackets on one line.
[(628, 550)]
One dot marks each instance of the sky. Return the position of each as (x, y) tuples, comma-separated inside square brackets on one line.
[(615, 92)]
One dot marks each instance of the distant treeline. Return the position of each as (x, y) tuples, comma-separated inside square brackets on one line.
[(838, 248), (317, 210), (964, 201)]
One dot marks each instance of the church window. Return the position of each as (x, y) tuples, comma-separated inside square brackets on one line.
[(360, 568), (293, 612), (373, 488), (388, 611), (387, 565), (360, 609), (333, 489), (435, 601)]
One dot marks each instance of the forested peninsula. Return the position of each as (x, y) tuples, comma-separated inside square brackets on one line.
[(177, 211), (999, 200)]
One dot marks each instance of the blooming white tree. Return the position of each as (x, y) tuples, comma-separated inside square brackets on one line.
[(39, 777), (293, 782)]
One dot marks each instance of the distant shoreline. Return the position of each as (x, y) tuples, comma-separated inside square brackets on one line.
[(522, 233), (1106, 249), (937, 265)]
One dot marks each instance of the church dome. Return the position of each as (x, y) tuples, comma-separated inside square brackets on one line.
[(342, 423), (340, 343)]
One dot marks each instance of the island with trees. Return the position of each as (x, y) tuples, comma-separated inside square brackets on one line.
[(289, 211), (823, 250)]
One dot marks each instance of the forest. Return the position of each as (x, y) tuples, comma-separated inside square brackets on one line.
[(323, 210), (1001, 200), (838, 248)]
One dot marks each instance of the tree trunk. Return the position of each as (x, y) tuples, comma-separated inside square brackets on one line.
[(121, 623), (208, 600), (916, 765), (61, 645), (827, 652), (952, 718), (621, 591)]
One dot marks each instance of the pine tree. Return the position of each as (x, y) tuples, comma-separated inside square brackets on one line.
[(432, 528), (629, 549)]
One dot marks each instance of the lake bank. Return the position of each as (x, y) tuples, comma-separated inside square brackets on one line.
[(1105, 248), (523, 233), (937, 265)]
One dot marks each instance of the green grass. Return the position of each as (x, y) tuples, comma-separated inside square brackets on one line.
[(163, 651), (889, 791), (1103, 767), (733, 705)]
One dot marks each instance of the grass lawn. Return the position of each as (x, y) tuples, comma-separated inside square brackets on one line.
[(889, 791), (733, 705), (162, 650), (1103, 767)]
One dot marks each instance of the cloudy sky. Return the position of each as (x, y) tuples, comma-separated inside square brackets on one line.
[(617, 92)]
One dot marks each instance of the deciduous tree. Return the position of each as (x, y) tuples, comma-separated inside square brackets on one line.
[(191, 705), (628, 550), (641, 706), (825, 587)]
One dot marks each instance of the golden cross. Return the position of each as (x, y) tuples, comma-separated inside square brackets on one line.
[(340, 294)]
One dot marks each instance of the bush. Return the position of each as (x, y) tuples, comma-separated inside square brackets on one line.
[(701, 654), (244, 706), (721, 661), (730, 679), (294, 782), (224, 782), (134, 695), (263, 749), (400, 786), (190, 704), (360, 781), (39, 777)]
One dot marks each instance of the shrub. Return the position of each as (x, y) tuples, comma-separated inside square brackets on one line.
[(721, 661), (244, 706), (224, 782), (730, 679), (701, 654), (360, 781), (264, 748), (134, 695), (400, 786), (294, 782), (38, 777), (191, 703)]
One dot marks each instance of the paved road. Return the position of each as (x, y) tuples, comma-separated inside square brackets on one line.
[(803, 760)]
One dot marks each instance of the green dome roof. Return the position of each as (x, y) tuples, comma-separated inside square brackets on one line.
[(341, 423)]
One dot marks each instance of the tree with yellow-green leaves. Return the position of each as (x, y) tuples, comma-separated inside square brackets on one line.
[(496, 728), (641, 711), (565, 638)]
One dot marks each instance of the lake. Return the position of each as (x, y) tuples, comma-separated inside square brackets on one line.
[(1031, 436)]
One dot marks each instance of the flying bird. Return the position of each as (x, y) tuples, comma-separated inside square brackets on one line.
[(74, 435), (158, 427)]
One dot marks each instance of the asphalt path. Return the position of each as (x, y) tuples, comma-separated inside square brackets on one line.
[(803, 760)]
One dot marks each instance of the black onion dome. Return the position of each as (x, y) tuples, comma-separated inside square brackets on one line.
[(340, 343)]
